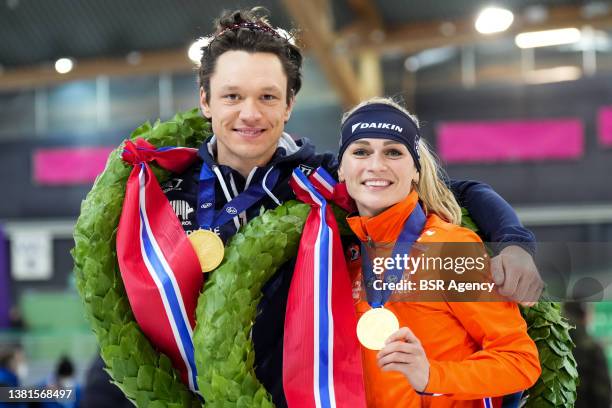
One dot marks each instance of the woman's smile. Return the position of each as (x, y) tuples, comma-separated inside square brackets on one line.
[(377, 184)]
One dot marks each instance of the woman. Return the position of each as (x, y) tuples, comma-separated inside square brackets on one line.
[(445, 354)]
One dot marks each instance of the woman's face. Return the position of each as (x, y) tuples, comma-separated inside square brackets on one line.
[(378, 174)]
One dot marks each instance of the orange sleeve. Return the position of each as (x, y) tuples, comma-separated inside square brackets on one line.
[(507, 363), (508, 360)]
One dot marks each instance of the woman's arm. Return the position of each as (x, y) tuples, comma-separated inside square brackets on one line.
[(508, 361)]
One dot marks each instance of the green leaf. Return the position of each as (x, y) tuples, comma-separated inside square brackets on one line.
[(541, 333), (146, 375), (570, 368), (547, 376), (559, 348)]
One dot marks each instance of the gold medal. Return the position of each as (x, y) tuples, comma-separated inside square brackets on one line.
[(208, 247), (375, 326)]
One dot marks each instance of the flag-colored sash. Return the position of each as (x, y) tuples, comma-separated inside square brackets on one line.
[(160, 270), (506, 401), (321, 354)]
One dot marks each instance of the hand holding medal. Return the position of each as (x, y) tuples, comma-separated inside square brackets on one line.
[(403, 352)]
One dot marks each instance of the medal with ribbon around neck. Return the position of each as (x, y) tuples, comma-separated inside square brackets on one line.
[(378, 323), (208, 245)]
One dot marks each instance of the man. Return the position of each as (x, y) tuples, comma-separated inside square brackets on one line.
[(249, 77)]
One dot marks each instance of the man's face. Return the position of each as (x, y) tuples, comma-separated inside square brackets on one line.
[(248, 107)]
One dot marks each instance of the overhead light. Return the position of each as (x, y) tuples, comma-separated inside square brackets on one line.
[(448, 29), (377, 36), (548, 38), (12, 4), (595, 9), (494, 20), (591, 39), (64, 65), (535, 14), (557, 74), (134, 58), (412, 64), (195, 49), (427, 58)]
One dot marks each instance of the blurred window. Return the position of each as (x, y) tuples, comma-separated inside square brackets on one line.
[(17, 118), (185, 91), (133, 101), (71, 108)]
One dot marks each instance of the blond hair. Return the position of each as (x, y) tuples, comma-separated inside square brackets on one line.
[(433, 191)]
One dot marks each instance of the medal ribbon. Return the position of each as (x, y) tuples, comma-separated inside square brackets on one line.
[(159, 268), (208, 218), (321, 354), (410, 233)]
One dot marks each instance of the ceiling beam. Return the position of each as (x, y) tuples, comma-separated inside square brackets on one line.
[(370, 75), (149, 63), (367, 13), (334, 51), (368, 62), (314, 19), (496, 73), (418, 36)]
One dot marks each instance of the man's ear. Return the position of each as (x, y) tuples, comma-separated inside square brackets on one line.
[(204, 105), (289, 108)]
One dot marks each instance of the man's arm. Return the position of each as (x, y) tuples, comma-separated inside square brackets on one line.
[(497, 221), (329, 162), (513, 268)]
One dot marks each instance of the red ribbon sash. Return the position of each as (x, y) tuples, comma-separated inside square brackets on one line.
[(321, 355), (160, 270)]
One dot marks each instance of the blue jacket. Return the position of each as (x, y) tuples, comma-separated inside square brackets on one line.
[(8, 379)]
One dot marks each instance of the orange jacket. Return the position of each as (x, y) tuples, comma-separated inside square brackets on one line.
[(475, 349)]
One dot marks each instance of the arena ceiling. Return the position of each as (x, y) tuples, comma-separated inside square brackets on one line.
[(347, 37)]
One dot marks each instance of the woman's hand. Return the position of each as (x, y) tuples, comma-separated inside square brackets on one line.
[(404, 353)]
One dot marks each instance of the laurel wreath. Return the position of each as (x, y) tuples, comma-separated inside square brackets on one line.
[(226, 310), (557, 384)]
